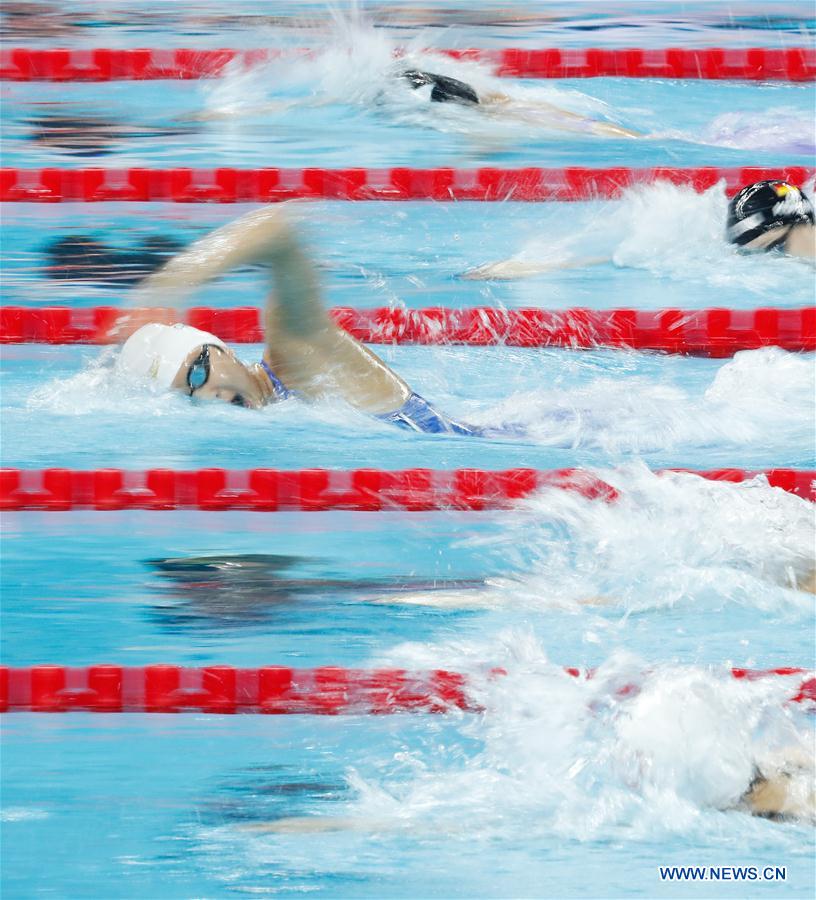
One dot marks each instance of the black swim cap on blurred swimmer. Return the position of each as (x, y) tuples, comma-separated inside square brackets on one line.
[(445, 90), (765, 205)]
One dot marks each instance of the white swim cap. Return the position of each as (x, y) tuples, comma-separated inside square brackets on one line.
[(155, 352)]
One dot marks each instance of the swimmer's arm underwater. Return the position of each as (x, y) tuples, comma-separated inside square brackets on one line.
[(220, 113), (510, 269), (309, 353)]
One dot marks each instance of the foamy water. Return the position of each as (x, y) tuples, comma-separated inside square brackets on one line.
[(638, 753), (671, 232), (637, 749), (562, 401), (671, 539), (360, 66), (758, 395)]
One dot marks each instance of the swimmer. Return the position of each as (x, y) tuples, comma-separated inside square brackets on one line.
[(781, 790), (306, 354), (247, 588), (772, 215), (443, 89), (764, 216), (783, 787)]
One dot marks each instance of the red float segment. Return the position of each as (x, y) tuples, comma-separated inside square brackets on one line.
[(756, 64), (704, 332), (319, 490), (276, 690), (223, 689), (231, 185), (800, 482), (103, 64), (271, 490)]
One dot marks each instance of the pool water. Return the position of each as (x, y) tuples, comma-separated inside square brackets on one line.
[(562, 787)]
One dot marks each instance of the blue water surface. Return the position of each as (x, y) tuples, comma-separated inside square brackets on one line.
[(560, 787)]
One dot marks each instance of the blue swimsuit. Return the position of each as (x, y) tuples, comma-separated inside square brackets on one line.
[(416, 414)]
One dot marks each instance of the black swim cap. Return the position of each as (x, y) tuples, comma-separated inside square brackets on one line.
[(445, 90), (765, 205)]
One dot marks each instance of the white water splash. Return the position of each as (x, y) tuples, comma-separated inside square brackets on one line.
[(760, 396), (360, 65), (634, 750), (646, 550), (672, 232), (786, 130)]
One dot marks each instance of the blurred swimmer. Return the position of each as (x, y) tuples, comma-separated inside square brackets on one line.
[(248, 588), (782, 789), (307, 355), (437, 88), (764, 216), (83, 257), (443, 89), (501, 592)]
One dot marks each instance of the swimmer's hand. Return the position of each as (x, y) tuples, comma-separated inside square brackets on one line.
[(326, 824), (510, 269), (607, 129), (219, 113), (497, 593), (467, 598), (316, 825)]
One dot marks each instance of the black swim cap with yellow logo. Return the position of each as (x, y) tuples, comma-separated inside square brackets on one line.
[(765, 205)]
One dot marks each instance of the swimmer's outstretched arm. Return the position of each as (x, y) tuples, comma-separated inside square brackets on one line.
[(510, 269), (542, 113), (308, 352), (275, 107)]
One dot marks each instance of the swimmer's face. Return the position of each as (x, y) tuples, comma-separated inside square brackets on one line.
[(211, 373)]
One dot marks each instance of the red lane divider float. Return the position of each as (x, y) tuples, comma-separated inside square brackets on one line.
[(271, 689), (231, 185), (702, 332), (224, 689), (316, 490), (103, 64)]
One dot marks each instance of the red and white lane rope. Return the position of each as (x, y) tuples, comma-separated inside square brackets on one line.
[(231, 185), (700, 332), (316, 490), (104, 64), (328, 690)]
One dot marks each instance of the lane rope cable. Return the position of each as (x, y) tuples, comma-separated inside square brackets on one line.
[(318, 490), (270, 185), (109, 64), (698, 332), (329, 690)]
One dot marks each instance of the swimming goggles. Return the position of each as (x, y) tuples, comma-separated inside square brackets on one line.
[(199, 370)]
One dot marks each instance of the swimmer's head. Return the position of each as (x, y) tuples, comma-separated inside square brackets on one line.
[(445, 89), (761, 215), (416, 78), (179, 357)]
